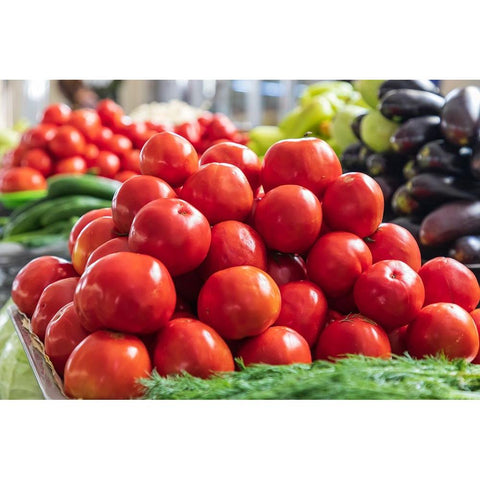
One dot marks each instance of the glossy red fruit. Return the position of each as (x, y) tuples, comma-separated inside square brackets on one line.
[(285, 267)]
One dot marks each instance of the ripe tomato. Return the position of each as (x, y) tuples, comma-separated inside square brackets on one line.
[(87, 122), (192, 131), (94, 234), (398, 340), (110, 112), (107, 365), (188, 286), (17, 179), (119, 145), (220, 126), (134, 194), (393, 242), (170, 157), (107, 164), (277, 345), (304, 309), (390, 293), (103, 138), (220, 191), (234, 243), (239, 302), (131, 161), (285, 267), (309, 162), (67, 142), (118, 244), (354, 334), (344, 304), (288, 218), (64, 332), (83, 221), (141, 302), (74, 164), (136, 132), (443, 328), (239, 155), (34, 277), (38, 136), (448, 280), (38, 159), (56, 113), (173, 231), (124, 175), (18, 153), (188, 345), (475, 314), (54, 296), (335, 262), (354, 203), (90, 154)]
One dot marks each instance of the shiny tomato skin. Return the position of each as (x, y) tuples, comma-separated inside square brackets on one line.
[(475, 314), (308, 162), (285, 267), (107, 164), (220, 191), (304, 309), (131, 161), (107, 365), (289, 218), (355, 335), (75, 164), (83, 221), (134, 194), (398, 340), (119, 145), (390, 293), (236, 154), (90, 154), (394, 242), (124, 175), (173, 231), (139, 302), (443, 328), (94, 234), (17, 179), (64, 332), (170, 157), (38, 159), (239, 302), (38, 136), (353, 203), (277, 345), (34, 277), (56, 113), (104, 136), (118, 244), (67, 142), (110, 112), (447, 280), (335, 262), (54, 296), (234, 243), (188, 345), (87, 122)]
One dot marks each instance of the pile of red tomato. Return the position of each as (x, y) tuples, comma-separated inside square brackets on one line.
[(102, 141), (203, 259)]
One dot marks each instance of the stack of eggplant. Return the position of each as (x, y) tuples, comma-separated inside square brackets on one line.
[(429, 168)]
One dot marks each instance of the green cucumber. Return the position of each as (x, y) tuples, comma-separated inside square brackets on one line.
[(92, 185)]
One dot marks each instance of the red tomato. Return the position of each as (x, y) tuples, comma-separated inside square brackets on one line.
[(354, 335), (134, 194), (170, 157), (119, 244), (137, 133), (393, 242), (308, 162), (443, 328), (90, 154), (289, 218), (67, 142), (140, 301), (103, 138), (74, 164), (173, 231), (475, 314), (119, 145), (34, 277), (110, 112), (38, 136), (17, 179), (53, 298), (398, 340), (107, 365), (220, 127), (64, 332), (87, 122), (234, 243), (335, 262), (18, 153), (56, 113), (83, 221), (107, 164), (354, 203), (304, 309), (344, 304), (189, 130), (390, 293), (448, 280), (239, 155), (188, 285), (38, 159), (220, 191), (277, 345), (94, 234), (188, 345), (285, 267), (131, 161), (124, 175), (239, 302)]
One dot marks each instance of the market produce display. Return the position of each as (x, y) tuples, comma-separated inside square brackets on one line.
[(196, 270)]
